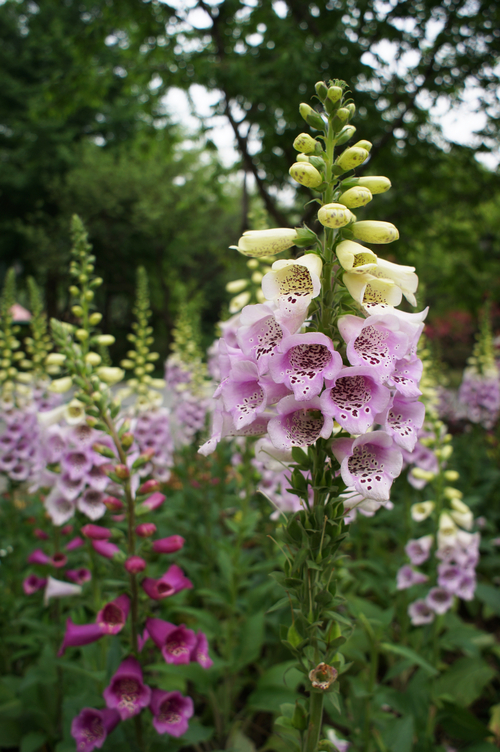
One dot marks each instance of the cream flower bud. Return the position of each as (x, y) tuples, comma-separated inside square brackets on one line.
[(351, 157), (258, 243), (55, 359), (157, 383), (305, 143), (422, 510), (334, 93), (364, 145), (59, 386), (421, 474), (355, 197), (354, 257), (451, 475), (257, 278), (375, 231), (345, 134), (447, 530), (237, 285), (461, 514), (95, 318), (342, 114), (105, 339), (335, 215), (375, 183), (305, 174), (93, 358), (311, 117), (25, 378), (239, 302), (110, 375), (452, 493)]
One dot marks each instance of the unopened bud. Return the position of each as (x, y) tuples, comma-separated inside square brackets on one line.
[(88, 295), (335, 215), (93, 358), (146, 529), (306, 174), (421, 474), (342, 114), (95, 318), (312, 117), (345, 134), (374, 231), (168, 545), (74, 291), (355, 197), (334, 93), (96, 532), (236, 285), (135, 565), (112, 503), (364, 145), (104, 450), (59, 386), (77, 310), (351, 158), (110, 375), (321, 90), (122, 471), (148, 487), (305, 143), (127, 440), (374, 183), (55, 359), (82, 334), (105, 339), (451, 475)]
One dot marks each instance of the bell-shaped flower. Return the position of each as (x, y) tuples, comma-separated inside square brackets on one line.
[(127, 692), (33, 583), (402, 420), (76, 463), (59, 508), (77, 635), (418, 550), (261, 243), (245, 395), (91, 727), (111, 619), (200, 651), (402, 276), (91, 504), (299, 424), (223, 425), (367, 289), (39, 557), (59, 589), (354, 398), (439, 600), (355, 258), (97, 478), (168, 545), (260, 334), (175, 642), (172, 582), (303, 362), (369, 463), (420, 613), (69, 488), (422, 510), (407, 577), (292, 285), (449, 577), (171, 712), (105, 548), (79, 576), (467, 586), (376, 342), (406, 377)]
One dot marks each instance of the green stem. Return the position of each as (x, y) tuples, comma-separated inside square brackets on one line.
[(315, 721)]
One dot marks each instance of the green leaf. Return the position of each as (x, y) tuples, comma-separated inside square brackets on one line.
[(32, 741), (459, 723), (465, 680), (10, 733), (250, 640), (411, 655), (398, 734), (490, 596)]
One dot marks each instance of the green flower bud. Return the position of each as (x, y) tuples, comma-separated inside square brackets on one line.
[(59, 386), (306, 174), (355, 197), (302, 158), (312, 117), (237, 285), (342, 114), (128, 364), (321, 90), (95, 318), (305, 143), (335, 215), (345, 134), (74, 291), (97, 282), (77, 310), (93, 358), (351, 158), (55, 359), (82, 334), (334, 93), (153, 356), (88, 295), (364, 145), (106, 339), (374, 231), (374, 183), (351, 108)]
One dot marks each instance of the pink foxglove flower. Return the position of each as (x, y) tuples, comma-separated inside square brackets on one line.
[(439, 600), (245, 395), (176, 643), (172, 582), (260, 335), (154, 501), (145, 529), (40, 534), (135, 564), (420, 613), (406, 377), (91, 727), (59, 508), (33, 583), (171, 712), (450, 577), (91, 503), (376, 342), (127, 692), (407, 577), (79, 576), (77, 635), (76, 463), (303, 362), (168, 545), (200, 651), (354, 398), (105, 548), (39, 557), (111, 619), (299, 423), (418, 550), (369, 463), (74, 544), (403, 420), (59, 560)]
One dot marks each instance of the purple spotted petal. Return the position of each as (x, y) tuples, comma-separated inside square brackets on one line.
[(175, 643), (369, 463), (376, 342), (127, 692), (402, 420), (354, 398), (171, 712), (299, 423), (406, 377), (260, 334), (305, 360)]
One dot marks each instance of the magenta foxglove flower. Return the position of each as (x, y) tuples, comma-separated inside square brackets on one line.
[(407, 577), (59, 560), (111, 619), (79, 576), (260, 334), (145, 529), (439, 599), (149, 486), (354, 398), (33, 583), (142, 640), (176, 643), (172, 582), (105, 548), (420, 613), (39, 557), (369, 463), (403, 420), (90, 728), (418, 550), (200, 651), (135, 564), (40, 534), (303, 362), (168, 545), (77, 635), (127, 692), (154, 501), (171, 712), (74, 543), (113, 504), (376, 342), (299, 423)]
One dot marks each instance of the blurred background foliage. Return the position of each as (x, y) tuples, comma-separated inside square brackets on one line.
[(84, 128)]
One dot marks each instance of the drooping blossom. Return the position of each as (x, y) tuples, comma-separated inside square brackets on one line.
[(299, 423), (33, 583), (369, 463), (418, 550), (303, 362), (439, 600), (172, 582), (168, 545), (354, 398), (127, 692), (171, 712), (199, 653), (111, 619), (91, 727), (175, 642), (420, 613), (407, 576), (59, 589)]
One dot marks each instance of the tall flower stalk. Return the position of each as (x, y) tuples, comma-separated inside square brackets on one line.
[(316, 369)]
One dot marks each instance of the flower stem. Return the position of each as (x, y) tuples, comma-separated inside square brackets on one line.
[(315, 722)]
